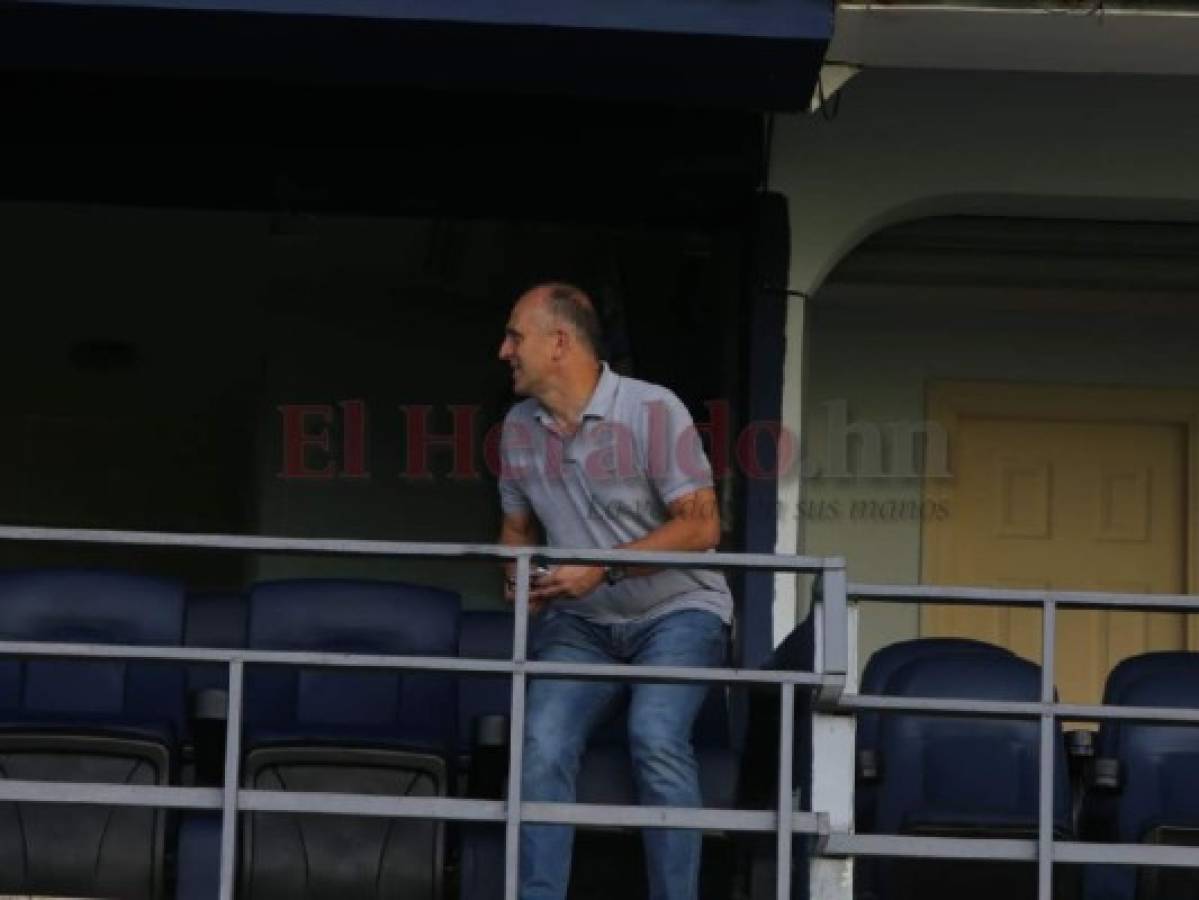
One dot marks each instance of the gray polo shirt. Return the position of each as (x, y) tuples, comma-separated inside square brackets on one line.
[(635, 451)]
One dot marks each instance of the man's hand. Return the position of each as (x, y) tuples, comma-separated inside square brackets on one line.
[(517, 529), (565, 583)]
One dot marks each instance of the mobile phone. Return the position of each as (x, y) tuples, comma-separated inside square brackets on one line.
[(535, 574)]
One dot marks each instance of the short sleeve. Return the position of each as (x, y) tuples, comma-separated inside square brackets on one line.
[(674, 452), (513, 498)]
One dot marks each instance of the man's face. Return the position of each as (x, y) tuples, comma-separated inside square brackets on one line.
[(530, 345)]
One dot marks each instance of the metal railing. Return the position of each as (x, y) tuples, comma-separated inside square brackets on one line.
[(1045, 850), (831, 681), (827, 681)]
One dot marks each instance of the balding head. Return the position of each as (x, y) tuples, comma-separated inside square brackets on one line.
[(552, 341), (568, 305)]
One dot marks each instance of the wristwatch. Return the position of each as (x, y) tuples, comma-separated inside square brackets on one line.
[(613, 574)]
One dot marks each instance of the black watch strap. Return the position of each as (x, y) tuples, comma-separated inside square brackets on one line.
[(613, 574)]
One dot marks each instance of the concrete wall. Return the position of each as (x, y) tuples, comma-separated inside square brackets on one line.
[(873, 370)]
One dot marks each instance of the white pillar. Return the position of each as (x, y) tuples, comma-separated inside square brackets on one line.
[(788, 537), (833, 762)]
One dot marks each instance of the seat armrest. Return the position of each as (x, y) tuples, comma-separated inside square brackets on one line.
[(869, 765), (1080, 760), (490, 732), (1080, 744), (488, 774), (1106, 775), (209, 710), (210, 705)]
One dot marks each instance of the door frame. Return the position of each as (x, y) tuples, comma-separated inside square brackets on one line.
[(947, 402)]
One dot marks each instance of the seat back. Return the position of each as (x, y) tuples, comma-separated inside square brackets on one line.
[(964, 776), (931, 765), (1159, 764), (885, 662), (348, 730), (94, 607), (88, 720), (1157, 800), (327, 615), (1158, 666), (882, 664)]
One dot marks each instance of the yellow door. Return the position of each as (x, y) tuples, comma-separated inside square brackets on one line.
[(1062, 503)]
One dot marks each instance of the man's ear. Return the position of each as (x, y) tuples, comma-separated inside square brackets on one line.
[(562, 343)]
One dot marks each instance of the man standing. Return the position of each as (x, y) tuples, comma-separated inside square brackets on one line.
[(596, 460)]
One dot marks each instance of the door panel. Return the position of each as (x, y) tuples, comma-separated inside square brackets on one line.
[(1083, 505)]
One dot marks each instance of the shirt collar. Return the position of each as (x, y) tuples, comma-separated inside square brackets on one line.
[(604, 395), (601, 402)]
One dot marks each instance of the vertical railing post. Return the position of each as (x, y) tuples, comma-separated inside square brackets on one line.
[(835, 648), (1045, 811), (786, 797), (232, 780), (832, 760), (516, 735)]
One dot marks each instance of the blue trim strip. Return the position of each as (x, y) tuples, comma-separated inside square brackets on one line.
[(775, 19), (767, 350), (734, 67)]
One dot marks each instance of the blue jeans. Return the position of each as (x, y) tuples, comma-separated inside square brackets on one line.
[(562, 714)]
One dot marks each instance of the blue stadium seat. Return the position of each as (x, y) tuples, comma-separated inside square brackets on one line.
[(876, 675), (965, 777), (341, 730), (606, 775), (1098, 814), (1156, 798), (106, 721), (1126, 673)]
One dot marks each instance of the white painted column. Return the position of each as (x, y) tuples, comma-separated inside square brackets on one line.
[(833, 761), (790, 482)]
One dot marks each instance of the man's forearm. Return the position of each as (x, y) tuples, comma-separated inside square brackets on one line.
[(690, 531)]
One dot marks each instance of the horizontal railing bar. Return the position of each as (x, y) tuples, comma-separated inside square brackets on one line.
[(262, 543), (1126, 854), (958, 595), (448, 664), (1017, 709), (739, 820), (904, 593), (445, 808), (924, 847), (165, 797), (943, 706), (259, 657), (910, 846), (329, 803), (1159, 714), (437, 808), (605, 671), (1179, 603)]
